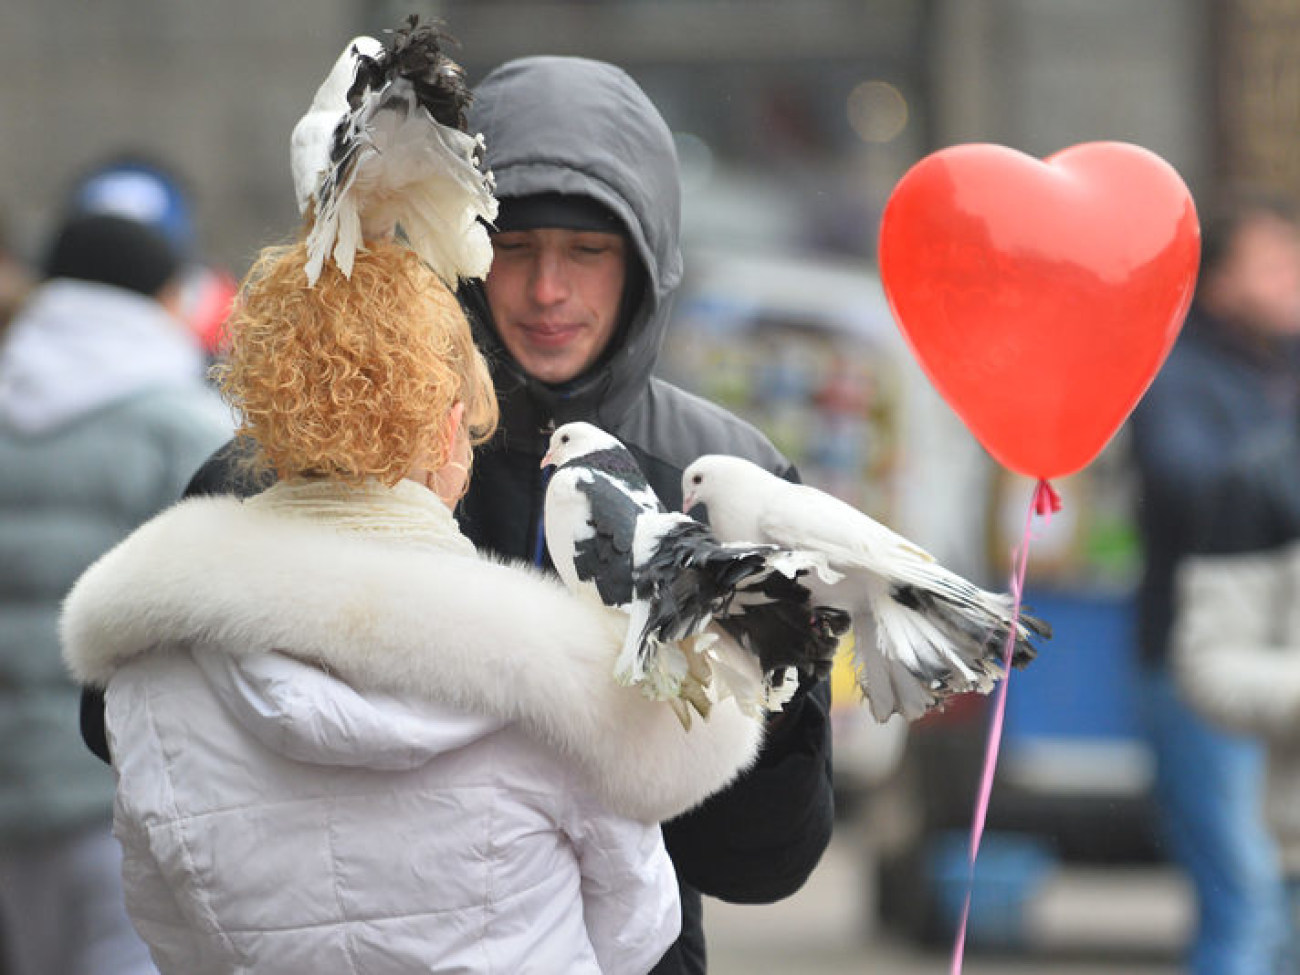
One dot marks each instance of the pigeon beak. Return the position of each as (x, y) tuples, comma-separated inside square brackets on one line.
[(546, 461), (688, 502)]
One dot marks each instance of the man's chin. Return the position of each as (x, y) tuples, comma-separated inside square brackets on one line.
[(553, 367)]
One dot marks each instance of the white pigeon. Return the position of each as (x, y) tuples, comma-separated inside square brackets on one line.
[(921, 632), (610, 537), (383, 149)]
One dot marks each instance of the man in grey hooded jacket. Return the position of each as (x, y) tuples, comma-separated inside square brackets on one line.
[(586, 175)]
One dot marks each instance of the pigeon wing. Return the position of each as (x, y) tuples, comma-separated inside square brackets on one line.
[(604, 557)]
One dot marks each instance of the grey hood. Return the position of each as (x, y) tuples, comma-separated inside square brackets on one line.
[(575, 126)]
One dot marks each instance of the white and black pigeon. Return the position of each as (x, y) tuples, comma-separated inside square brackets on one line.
[(383, 149), (609, 536), (922, 633)]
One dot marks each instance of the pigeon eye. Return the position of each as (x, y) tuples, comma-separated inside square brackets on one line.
[(697, 479), (564, 439)]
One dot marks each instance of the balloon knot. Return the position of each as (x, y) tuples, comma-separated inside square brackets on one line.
[(1046, 500)]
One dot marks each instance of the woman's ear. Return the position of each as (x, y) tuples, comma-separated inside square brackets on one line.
[(454, 420)]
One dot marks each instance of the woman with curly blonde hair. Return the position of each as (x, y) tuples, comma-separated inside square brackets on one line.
[(342, 738)]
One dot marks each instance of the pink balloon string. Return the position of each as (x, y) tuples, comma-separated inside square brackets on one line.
[(1045, 502)]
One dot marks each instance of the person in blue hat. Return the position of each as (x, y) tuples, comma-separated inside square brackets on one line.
[(148, 191)]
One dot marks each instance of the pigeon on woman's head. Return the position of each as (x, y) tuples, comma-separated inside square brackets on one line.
[(609, 536), (921, 632), (383, 148)]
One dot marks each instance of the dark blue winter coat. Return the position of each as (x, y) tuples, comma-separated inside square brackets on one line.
[(1219, 414)]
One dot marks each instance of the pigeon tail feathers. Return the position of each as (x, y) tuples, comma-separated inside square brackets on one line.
[(684, 578), (774, 616), (925, 650)]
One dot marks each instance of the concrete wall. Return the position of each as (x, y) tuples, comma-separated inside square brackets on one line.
[(217, 86), (212, 87), (1042, 75)]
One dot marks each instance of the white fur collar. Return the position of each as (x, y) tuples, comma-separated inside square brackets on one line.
[(220, 575)]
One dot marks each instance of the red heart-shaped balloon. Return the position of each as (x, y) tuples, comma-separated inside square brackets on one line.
[(1041, 296)]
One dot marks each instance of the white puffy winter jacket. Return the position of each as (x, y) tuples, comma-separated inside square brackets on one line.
[(418, 762)]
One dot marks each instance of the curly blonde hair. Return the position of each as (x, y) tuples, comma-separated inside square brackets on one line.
[(352, 378)]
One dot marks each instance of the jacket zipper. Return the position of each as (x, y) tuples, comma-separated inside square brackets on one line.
[(539, 542), (544, 479)]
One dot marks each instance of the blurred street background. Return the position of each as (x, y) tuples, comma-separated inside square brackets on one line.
[(794, 120), (1083, 922)]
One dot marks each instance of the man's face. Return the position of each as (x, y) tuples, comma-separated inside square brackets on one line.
[(555, 297)]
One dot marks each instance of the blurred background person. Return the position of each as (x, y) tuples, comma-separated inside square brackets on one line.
[(104, 415), (1231, 384), (138, 187)]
